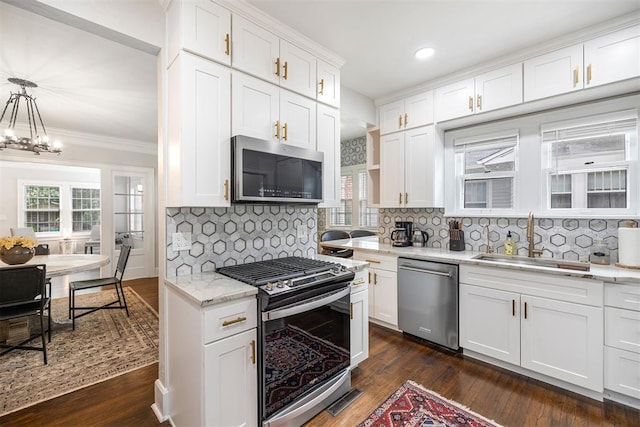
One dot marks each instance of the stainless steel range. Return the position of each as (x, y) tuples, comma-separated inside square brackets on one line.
[(304, 335)]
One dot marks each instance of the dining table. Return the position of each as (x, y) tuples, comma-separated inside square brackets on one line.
[(64, 264)]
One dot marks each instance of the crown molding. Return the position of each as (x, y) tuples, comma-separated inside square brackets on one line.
[(257, 16)]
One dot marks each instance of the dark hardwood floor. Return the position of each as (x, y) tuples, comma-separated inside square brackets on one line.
[(508, 398)]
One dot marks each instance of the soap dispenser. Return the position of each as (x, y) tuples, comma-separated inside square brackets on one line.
[(508, 245)]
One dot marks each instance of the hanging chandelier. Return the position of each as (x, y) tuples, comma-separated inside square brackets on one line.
[(37, 141)]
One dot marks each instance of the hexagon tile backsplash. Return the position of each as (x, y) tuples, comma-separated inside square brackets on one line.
[(239, 234), (561, 238)]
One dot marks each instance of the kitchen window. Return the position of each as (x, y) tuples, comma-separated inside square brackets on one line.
[(353, 211), (55, 209), (587, 163), (486, 168)]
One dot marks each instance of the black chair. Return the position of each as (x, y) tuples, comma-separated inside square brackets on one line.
[(336, 235), (42, 249), (23, 293), (116, 281), (362, 233)]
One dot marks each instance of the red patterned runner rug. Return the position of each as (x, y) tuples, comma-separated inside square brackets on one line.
[(412, 405)]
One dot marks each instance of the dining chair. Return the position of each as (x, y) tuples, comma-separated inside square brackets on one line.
[(115, 280), (336, 235), (23, 293), (94, 239), (41, 249), (362, 233)]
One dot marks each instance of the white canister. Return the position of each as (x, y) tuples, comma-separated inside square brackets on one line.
[(629, 247)]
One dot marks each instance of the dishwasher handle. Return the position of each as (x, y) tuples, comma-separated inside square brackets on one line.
[(422, 270)]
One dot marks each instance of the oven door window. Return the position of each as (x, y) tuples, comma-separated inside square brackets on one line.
[(302, 351)]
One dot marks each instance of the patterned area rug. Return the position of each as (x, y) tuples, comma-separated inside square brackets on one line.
[(294, 362), (412, 405), (105, 344)]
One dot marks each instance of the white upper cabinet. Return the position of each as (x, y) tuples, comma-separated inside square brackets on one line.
[(201, 27), (265, 111), (613, 57), (489, 91), (198, 166), (255, 50), (328, 142), (407, 113), (258, 52), (555, 73), (328, 84)]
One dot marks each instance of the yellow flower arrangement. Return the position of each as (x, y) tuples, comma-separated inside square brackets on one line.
[(9, 242)]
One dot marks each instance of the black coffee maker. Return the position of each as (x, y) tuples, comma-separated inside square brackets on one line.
[(401, 235)]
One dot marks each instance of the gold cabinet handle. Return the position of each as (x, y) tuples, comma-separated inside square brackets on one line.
[(400, 121), (471, 103), (406, 119), (227, 43), (357, 282), (226, 189), (233, 322), (351, 310), (369, 277), (372, 261), (525, 310), (278, 67), (321, 87), (277, 135), (406, 198), (375, 278), (253, 351), (575, 77), (286, 69), (513, 307), (479, 103), (286, 132), (399, 198), (588, 73)]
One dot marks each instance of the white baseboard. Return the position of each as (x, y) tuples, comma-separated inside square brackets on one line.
[(161, 405)]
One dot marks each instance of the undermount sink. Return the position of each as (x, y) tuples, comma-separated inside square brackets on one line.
[(539, 262)]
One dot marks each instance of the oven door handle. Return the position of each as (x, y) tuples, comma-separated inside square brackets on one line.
[(301, 308)]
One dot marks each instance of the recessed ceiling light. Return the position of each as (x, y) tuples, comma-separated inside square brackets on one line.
[(424, 53)]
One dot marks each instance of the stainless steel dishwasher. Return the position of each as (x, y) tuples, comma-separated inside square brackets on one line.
[(428, 301)]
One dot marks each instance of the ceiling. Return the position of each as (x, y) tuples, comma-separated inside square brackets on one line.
[(88, 84)]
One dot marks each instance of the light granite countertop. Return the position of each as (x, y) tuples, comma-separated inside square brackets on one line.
[(205, 289), (608, 273)]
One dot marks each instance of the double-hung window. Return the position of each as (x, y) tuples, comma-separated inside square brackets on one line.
[(42, 208), (589, 164), (353, 211), (486, 168)]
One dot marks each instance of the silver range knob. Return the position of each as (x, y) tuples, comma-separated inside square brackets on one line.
[(280, 284), (269, 286)]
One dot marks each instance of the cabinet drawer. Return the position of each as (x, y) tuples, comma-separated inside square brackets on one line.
[(622, 329), (622, 371), (622, 296), (224, 320), (383, 262)]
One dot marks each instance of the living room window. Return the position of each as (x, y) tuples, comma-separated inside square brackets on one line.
[(353, 211), (588, 163), (85, 208), (486, 168), (42, 208)]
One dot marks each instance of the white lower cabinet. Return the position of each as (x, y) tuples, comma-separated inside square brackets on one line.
[(383, 286), (230, 381), (521, 318), (359, 320), (622, 342), (212, 362)]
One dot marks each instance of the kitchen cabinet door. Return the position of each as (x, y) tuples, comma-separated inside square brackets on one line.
[(391, 117), (418, 110), (298, 70), (392, 170), (255, 50), (359, 327), (555, 73), (613, 57), (419, 176), (563, 340), (385, 290), (255, 108), (201, 27), (499, 88), (490, 322), (231, 381), (328, 84), (622, 372), (198, 149), (455, 100), (329, 144), (297, 120)]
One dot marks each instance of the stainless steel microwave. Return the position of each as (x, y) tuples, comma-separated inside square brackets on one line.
[(269, 172)]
